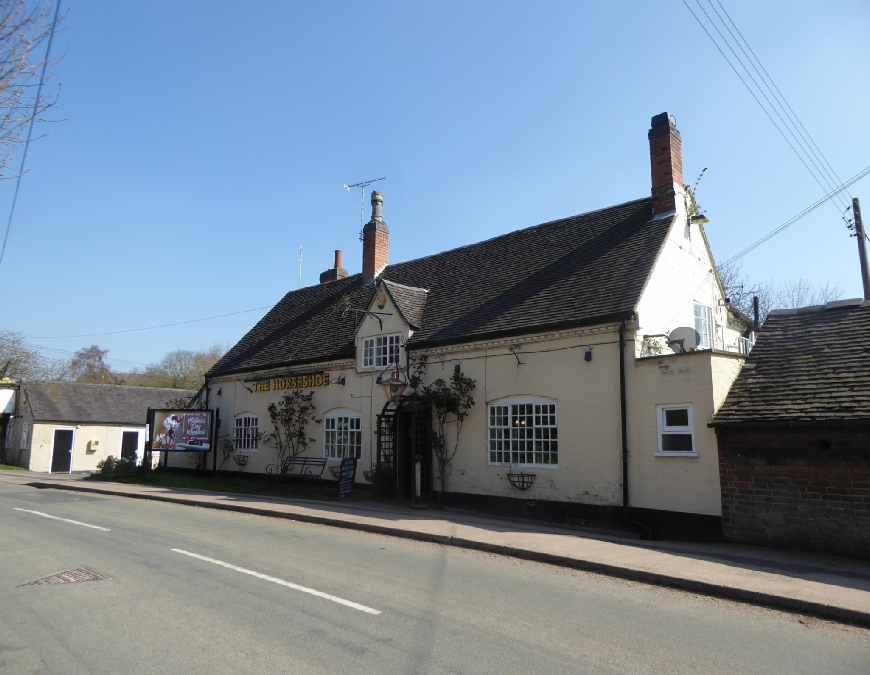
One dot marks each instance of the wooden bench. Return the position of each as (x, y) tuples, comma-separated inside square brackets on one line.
[(305, 467)]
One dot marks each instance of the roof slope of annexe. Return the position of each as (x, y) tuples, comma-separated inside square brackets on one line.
[(808, 366), (109, 404), (573, 271)]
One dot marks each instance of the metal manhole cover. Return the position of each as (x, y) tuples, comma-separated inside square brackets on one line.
[(68, 577)]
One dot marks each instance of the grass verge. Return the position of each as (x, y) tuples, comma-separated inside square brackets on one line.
[(9, 467), (241, 485)]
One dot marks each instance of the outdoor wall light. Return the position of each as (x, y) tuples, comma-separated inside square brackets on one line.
[(341, 380), (394, 385), (588, 355), (219, 391), (457, 369)]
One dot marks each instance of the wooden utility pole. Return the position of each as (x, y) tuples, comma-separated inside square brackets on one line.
[(862, 247)]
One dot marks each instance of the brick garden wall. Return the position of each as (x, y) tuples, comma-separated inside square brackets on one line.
[(805, 488)]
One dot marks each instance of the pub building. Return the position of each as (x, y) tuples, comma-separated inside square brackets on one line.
[(600, 345)]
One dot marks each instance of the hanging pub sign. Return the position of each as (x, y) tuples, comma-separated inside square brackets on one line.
[(181, 430), (301, 381)]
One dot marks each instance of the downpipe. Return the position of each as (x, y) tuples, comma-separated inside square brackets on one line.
[(646, 531)]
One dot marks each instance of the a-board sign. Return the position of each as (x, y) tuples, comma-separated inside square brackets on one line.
[(346, 476), (181, 430)]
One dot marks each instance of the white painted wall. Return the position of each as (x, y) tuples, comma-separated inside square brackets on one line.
[(84, 458), (684, 275)]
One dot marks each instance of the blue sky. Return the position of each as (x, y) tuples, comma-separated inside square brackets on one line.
[(207, 142)]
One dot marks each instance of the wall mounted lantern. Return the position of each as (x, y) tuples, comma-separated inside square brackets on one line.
[(394, 385)]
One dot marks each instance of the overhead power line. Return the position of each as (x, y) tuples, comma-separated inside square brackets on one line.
[(66, 351), (136, 330), (30, 130), (787, 107), (794, 219), (790, 125)]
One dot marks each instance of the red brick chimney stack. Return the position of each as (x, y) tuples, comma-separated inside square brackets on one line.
[(338, 272), (376, 240), (666, 162)]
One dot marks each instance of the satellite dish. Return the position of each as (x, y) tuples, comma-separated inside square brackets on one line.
[(684, 339)]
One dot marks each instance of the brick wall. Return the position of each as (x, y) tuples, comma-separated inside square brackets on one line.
[(376, 249), (805, 487)]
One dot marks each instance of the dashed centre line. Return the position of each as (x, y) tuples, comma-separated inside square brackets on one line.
[(281, 582), (66, 520)]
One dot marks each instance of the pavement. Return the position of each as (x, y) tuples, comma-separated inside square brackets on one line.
[(828, 587)]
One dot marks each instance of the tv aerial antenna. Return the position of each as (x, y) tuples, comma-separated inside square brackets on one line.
[(362, 204)]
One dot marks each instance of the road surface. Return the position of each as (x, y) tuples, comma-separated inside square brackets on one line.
[(191, 591)]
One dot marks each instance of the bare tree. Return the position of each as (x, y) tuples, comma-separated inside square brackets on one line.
[(24, 30), (179, 369), (789, 295), (801, 293), (18, 359), (290, 418), (89, 366)]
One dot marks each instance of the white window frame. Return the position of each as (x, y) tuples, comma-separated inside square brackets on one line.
[(332, 442), (243, 439), (664, 429), (496, 432), (707, 334), (382, 351), (25, 433)]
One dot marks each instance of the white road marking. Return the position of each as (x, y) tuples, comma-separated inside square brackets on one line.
[(66, 520), (288, 584)]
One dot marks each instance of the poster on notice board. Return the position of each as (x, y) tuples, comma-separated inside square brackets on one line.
[(181, 430)]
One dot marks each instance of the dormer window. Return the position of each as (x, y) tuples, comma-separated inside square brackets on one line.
[(382, 351)]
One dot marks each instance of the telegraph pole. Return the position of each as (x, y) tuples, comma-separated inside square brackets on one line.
[(862, 246)]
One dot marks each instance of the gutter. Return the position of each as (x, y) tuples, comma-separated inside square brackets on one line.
[(760, 424)]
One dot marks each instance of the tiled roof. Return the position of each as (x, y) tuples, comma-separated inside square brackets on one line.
[(810, 365), (96, 403), (410, 301), (573, 271)]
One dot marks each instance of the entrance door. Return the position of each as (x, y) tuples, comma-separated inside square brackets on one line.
[(61, 456), (129, 444), (413, 439)]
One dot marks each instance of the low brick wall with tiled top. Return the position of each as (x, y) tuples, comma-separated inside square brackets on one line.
[(803, 487)]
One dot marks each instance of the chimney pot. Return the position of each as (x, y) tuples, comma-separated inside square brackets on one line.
[(337, 272)]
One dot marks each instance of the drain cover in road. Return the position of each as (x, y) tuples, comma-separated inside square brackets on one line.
[(68, 577)]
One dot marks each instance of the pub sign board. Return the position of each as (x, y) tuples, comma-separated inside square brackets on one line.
[(181, 430), (346, 476)]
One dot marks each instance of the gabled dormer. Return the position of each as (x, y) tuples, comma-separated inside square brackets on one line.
[(395, 312)]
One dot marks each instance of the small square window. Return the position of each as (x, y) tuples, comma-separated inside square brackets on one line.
[(675, 430)]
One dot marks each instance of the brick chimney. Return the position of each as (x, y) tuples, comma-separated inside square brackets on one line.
[(376, 240), (666, 162), (337, 272)]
